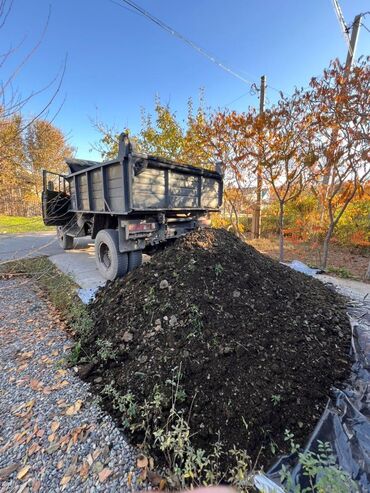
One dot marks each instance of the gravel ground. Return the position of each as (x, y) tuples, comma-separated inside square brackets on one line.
[(53, 437)]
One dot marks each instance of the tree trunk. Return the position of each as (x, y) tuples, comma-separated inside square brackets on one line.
[(281, 232), (367, 275), (325, 247), (256, 220), (235, 213)]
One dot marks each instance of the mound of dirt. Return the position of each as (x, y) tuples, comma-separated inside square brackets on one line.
[(249, 342)]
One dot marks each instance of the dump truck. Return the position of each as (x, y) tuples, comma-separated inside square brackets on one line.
[(128, 205)]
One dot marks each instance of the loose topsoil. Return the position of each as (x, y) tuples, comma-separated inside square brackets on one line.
[(254, 346)]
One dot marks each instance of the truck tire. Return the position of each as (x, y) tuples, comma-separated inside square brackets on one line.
[(135, 259), (64, 240), (110, 262)]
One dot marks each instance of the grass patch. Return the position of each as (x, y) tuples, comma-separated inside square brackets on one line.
[(340, 272), (18, 224), (58, 287)]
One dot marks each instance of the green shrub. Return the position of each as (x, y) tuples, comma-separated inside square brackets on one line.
[(320, 468)]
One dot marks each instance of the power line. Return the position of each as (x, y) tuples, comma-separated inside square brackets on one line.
[(365, 27), (344, 28), (186, 40), (124, 7), (249, 93), (274, 88), (136, 9), (364, 14)]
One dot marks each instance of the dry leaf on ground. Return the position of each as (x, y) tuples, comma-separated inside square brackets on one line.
[(51, 437), (5, 472), (54, 426), (71, 410), (65, 480), (104, 474), (35, 447), (84, 470), (36, 384), (22, 473), (36, 485)]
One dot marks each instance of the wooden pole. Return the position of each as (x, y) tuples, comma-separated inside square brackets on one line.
[(256, 220)]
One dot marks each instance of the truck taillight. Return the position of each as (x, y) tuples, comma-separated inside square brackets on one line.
[(141, 227)]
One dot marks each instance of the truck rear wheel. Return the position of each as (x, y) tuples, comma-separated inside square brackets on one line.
[(64, 240), (110, 262), (135, 259)]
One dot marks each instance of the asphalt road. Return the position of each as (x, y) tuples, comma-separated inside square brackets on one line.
[(25, 245), (79, 262)]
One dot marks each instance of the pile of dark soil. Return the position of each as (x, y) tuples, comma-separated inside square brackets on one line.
[(254, 341)]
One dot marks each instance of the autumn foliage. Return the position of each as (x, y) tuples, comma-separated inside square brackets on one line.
[(25, 149), (310, 148)]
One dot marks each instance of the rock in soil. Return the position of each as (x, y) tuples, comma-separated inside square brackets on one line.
[(253, 346)]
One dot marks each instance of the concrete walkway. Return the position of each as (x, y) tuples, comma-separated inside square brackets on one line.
[(80, 264), (348, 287), (353, 289)]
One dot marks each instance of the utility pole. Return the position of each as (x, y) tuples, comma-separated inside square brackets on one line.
[(349, 61), (353, 42), (256, 219), (262, 95)]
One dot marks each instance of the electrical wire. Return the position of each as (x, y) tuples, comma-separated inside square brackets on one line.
[(254, 89), (136, 9), (363, 15), (236, 99), (274, 88), (184, 39), (344, 28)]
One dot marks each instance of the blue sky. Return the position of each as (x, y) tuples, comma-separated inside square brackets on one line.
[(118, 61)]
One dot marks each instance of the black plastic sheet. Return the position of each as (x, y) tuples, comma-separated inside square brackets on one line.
[(345, 423)]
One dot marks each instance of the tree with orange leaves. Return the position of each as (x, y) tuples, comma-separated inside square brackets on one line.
[(339, 104), (282, 137), (277, 139), (228, 137)]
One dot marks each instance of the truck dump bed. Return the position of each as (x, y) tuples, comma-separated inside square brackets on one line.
[(129, 205), (137, 183)]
